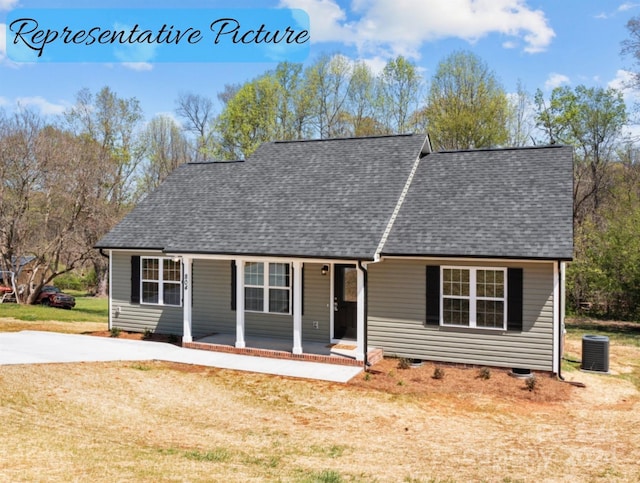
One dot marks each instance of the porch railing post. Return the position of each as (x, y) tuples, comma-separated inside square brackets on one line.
[(360, 315), (297, 308), (187, 298), (240, 342)]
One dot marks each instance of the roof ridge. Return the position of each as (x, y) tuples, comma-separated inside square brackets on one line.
[(507, 148), (346, 138)]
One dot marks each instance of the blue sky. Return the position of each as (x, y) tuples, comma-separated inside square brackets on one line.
[(541, 43)]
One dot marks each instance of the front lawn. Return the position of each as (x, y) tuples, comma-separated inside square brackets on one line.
[(87, 309)]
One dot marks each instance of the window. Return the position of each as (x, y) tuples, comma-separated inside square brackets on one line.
[(267, 287), (473, 297), (161, 280)]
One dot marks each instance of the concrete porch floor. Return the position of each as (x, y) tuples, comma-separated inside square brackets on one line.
[(343, 353)]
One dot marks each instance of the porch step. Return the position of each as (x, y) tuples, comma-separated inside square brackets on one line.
[(375, 355)]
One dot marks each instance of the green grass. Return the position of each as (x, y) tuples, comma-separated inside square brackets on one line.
[(87, 309), (627, 333)]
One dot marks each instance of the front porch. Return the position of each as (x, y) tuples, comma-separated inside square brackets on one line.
[(342, 353)]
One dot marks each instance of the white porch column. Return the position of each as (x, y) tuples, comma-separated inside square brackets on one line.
[(187, 291), (240, 343), (297, 308), (360, 315)]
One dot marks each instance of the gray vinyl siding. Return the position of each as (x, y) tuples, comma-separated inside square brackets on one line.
[(397, 311), (317, 303), (138, 317), (212, 298)]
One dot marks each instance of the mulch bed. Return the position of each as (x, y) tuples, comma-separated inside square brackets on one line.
[(172, 339)]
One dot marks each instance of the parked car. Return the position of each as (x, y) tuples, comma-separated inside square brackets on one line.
[(52, 296)]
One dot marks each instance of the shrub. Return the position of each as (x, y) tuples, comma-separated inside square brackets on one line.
[(173, 339), (404, 363), (438, 373), (148, 333), (484, 373), (115, 331), (532, 382)]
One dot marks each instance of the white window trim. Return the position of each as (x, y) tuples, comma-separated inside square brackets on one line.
[(265, 288), (160, 282), (472, 297)]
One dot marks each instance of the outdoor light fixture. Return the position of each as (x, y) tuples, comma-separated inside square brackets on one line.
[(325, 269)]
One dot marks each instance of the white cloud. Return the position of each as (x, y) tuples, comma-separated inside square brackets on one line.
[(325, 18), (556, 80), (624, 81), (400, 27), (45, 107), (138, 66), (4, 101), (627, 6), (8, 4)]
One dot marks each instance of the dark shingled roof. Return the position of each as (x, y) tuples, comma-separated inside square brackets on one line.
[(514, 203), (335, 198), (329, 198)]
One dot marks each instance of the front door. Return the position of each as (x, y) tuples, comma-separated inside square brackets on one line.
[(345, 302)]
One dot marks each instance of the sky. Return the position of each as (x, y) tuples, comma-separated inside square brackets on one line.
[(541, 44)]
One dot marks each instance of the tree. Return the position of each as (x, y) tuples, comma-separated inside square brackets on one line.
[(520, 122), (631, 46), (362, 103), (328, 81), (466, 105), (50, 199), (197, 112), (400, 86), (590, 119), (249, 118), (113, 123), (167, 148)]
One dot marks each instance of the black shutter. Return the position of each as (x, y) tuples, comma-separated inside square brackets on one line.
[(514, 299), (135, 280), (302, 290), (433, 295), (233, 285)]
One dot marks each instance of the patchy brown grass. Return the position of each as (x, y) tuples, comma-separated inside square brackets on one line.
[(10, 324), (152, 421)]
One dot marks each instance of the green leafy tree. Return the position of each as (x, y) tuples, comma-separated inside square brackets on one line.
[(250, 118), (466, 106), (591, 119), (400, 87)]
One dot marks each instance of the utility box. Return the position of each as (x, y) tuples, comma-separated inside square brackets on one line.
[(595, 353)]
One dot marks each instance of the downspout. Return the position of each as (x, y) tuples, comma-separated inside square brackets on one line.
[(560, 321), (102, 253), (366, 313)]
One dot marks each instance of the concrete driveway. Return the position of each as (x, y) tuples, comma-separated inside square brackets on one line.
[(34, 347)]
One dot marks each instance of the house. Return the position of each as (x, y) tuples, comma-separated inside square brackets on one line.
[(444, 256)]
